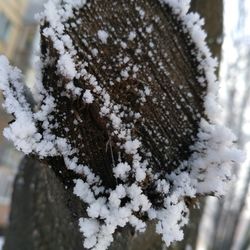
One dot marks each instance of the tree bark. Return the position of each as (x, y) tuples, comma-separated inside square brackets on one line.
[(44, 210), (169, 121)]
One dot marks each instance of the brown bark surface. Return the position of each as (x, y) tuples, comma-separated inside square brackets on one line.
[(167, 66)]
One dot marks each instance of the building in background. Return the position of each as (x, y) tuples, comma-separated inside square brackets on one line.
[(17, 29), (11, 26)]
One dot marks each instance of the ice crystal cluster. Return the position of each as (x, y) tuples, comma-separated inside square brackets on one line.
[(207, 171)]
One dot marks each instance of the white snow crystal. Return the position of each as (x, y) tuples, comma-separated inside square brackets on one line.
[(88, 97), (131, 147), (121, 170), (103, 35), (83, 191), (94, 52), (66, 66), (88, 227), (131, 36)]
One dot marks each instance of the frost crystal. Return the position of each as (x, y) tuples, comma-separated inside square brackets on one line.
[(103, 35)]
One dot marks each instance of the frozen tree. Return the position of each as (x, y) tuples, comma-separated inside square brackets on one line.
[(125, 133)]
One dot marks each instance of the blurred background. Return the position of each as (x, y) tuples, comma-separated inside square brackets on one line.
[(18, 38), (220, 224)]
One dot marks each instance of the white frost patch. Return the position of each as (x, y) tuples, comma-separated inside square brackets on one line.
[(131, 36), (66, 66), (131, 147), (88, 97), (89, 228), (121, 170), (94, 52), (22, 130), (103, 36)]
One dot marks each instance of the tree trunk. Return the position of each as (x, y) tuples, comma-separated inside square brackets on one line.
[(44, 210)]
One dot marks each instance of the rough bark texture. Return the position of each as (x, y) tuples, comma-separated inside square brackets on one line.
[(169, 117), (44, 214)]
